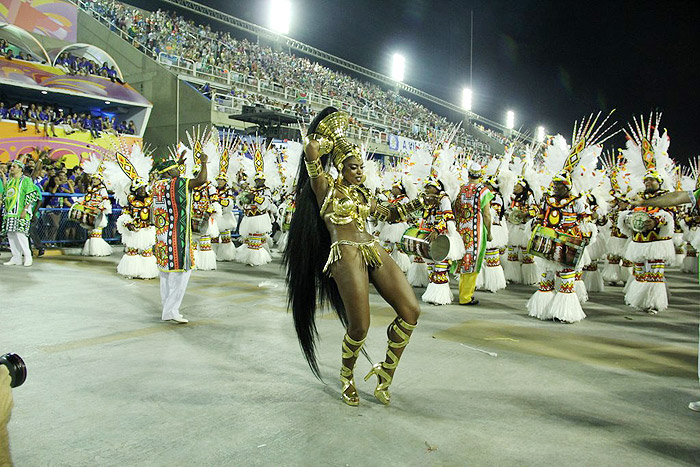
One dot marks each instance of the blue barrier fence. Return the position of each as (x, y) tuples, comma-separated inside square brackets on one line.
[(55, 228)]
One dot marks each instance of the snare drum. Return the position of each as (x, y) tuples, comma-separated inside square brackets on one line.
[(88, 218), (556, 246), (637, 221), (424, 243)]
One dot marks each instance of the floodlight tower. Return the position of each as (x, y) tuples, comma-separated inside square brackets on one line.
[(540, 134), (510, 123), (467, 103), (280, 14), (398, 66)]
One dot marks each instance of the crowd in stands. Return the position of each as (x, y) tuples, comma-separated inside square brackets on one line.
[(74, 65), (48, 117), (165, 32)]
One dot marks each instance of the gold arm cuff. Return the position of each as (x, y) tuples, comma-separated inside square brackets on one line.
[(314, 168), (404, 210), (325, 145), (381, 213)]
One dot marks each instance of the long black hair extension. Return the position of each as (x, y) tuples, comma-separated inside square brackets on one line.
[(308, 247)]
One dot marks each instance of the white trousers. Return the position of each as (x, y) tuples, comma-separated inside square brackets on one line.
[(19, 245), (172, 291)]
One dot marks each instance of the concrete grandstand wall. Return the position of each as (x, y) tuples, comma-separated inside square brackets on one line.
[(158, 85)]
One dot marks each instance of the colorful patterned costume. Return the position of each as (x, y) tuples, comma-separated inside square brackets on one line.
[(472, 199), (519, 266), (255, 227), (139, 237), (492, 276), (97, 200), (437, 219), (391, 234), (650, 251), (225, 249), (205, 207), (566, 216)]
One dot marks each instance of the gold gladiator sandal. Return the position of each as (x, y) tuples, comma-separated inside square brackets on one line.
[(381, 392), (346, 374)]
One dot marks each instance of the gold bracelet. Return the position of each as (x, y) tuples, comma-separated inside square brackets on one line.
[(381, 213), (314, 168)]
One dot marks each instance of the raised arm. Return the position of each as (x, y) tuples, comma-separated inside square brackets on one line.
[(666, 200), (201, 177), (315, 147)]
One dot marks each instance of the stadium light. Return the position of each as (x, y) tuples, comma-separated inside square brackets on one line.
[(398, 65), (467, 99), (540, 134), (280, 15), (510, 119)]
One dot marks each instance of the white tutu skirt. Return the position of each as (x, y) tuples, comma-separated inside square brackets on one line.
[(611, 273), (255, 224), (518, 234), (617, 246), (96, 247), (663, 250), (499, 236), (226, 252), (138, 267), (492, 279), (530, 273), (205, 260), (252, 257), (594, 281), (580, 291), (227, 221), (647, 295), (538, 304), (565, 307), (437, 294), (690, 264), (512, 269), (417, 274), (392, 232), (141, 239)]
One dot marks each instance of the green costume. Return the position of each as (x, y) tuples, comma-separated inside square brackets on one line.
[(18, 193)]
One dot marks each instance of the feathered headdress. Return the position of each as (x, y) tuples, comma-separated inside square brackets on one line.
[(128, 172), (646, 151), (577, 163), (93, 166)]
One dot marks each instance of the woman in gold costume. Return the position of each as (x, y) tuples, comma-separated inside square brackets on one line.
[(331, 258)]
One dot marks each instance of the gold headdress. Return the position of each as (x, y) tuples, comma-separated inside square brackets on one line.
[(330, 134)]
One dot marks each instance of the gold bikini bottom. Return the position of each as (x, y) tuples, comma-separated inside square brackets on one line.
[(368, 251)]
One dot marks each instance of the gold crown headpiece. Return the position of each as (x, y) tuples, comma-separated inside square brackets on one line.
[(330, 133)]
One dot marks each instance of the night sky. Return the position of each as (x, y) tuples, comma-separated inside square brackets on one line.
[(550, 62)]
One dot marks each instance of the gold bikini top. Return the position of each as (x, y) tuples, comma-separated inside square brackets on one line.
[(352, 205)]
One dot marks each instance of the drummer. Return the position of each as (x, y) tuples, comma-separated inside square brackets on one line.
[(651, 248), (562, 213)]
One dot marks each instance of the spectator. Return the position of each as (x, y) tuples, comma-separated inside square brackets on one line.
[(18, 113)]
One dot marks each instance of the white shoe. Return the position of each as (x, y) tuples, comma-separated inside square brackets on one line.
[(11, 263), (694, 406), (180, 320), (28, 262)]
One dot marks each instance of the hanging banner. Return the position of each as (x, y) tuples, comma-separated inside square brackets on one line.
[(403, 144)]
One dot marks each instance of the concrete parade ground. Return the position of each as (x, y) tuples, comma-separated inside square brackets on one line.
[(110, 384)]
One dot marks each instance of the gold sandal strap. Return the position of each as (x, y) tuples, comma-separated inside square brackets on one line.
[(404, 324), (347, 351)]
